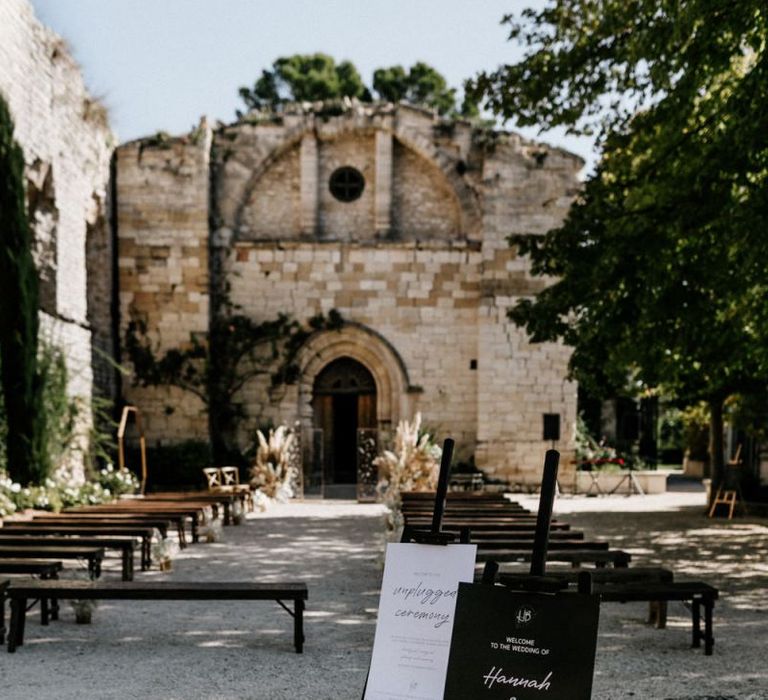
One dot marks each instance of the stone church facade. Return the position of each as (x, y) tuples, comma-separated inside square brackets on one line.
[(395, 218)]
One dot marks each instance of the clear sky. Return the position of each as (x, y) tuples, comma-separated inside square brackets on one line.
[(161, 64)]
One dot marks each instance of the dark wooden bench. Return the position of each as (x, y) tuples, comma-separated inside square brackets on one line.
[(3, 586), (214, 500), (490, 523), (93, 555), (19, 593), (697, 593), (487, 537), (73, 520), (45, 569), (141, 519), (119, 538), (575, 557), (505, 548), (124, 545), (493, 529), (611, 576), (163, 511)]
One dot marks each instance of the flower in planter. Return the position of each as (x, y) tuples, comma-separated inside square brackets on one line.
[(163, 552), (211, 530), (413, 465), (83, 610), (272, 471), (238, 514), (83, 607)]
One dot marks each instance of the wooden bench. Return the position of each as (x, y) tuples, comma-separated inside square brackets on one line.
[(19, 593), (85, 520), (575, 557), (163, 511), (45, 569), (144, 519), (657, 610), (215, 501), (488, 528), (119, 537), (126, 546), (93, 555), (699, 594), (501, 536), (3, 586)]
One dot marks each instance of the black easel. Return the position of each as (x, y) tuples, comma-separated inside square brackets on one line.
[(435, 534), (537, 580)]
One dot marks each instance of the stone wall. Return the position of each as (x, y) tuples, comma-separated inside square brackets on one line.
[(421, 300), (162, 220), (527, 189), (419, 266), (67, 145)]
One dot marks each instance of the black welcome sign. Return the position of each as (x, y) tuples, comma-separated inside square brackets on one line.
[(518, 646)]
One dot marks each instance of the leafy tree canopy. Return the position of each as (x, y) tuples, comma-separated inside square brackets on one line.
[(421, 85), (315, 77), (660, 265), (304, 78)]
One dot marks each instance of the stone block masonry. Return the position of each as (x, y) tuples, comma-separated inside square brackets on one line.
[(67, 145), (162, 220), (417, 262)]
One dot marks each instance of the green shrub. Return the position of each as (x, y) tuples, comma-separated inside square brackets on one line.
[(174, 466)]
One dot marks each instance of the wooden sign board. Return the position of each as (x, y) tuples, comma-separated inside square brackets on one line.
[(517, 646), (413, 630)]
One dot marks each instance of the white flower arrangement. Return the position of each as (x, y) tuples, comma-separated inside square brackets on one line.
[(413, 465), (238, 514), (272, 472), (163, 552), (260, 501), (211, 530)]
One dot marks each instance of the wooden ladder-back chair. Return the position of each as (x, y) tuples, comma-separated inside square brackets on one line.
[(230, 478), (214, 479)]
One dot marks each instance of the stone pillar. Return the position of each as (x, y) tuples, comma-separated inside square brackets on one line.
[(309, 164), (382, 202)]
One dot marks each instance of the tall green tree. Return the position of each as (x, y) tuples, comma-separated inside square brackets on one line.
[(22, 383), (315, 77), (421, 85), (660, 267), (304, 77)]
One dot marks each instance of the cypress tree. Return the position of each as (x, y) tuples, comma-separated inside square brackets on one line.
[(22, 385)]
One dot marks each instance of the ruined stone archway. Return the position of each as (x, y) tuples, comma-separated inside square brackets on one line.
[(389, 398), (344, 403), (394, 392)]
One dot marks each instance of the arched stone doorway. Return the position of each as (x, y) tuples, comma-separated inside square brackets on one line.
[(343, 401)]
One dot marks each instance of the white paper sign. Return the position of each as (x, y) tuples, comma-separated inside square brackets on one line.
[(413, 631)]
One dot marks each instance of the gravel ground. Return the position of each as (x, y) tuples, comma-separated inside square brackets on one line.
[(239, 650)]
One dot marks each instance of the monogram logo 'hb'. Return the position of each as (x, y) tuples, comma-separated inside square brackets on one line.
[(524, 615)]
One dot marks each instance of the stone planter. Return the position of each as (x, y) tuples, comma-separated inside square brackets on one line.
[(83, 611), (650, 481), (693, 467)]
